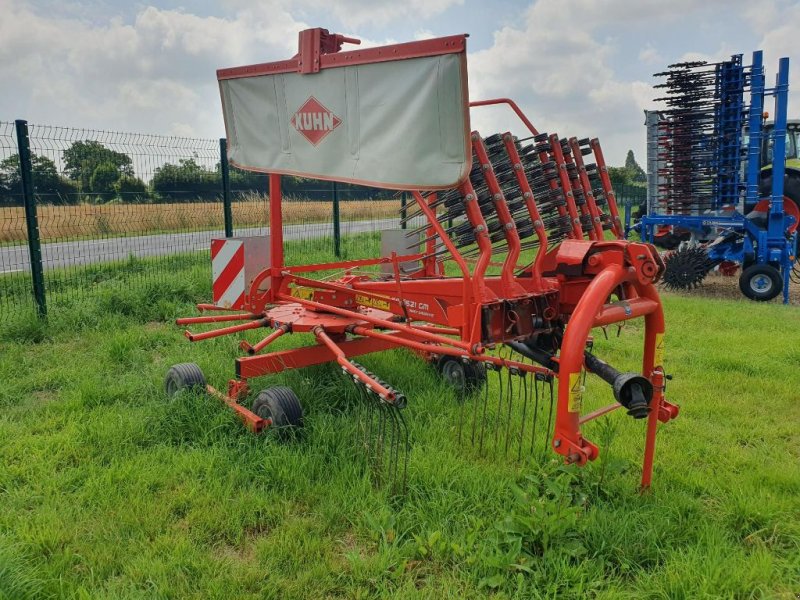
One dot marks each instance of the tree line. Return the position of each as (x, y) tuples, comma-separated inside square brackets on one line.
[(93, 173)]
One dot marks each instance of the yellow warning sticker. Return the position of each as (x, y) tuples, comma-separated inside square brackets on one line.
[(575, 392), (306, 293), (372, 302), (658, 355)]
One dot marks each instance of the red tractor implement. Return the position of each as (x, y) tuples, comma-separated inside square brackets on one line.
[(482, 203)]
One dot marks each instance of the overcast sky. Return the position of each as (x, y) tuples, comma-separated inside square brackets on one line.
[(578, 67)]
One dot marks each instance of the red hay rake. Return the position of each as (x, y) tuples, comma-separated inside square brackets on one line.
[(530, 325)]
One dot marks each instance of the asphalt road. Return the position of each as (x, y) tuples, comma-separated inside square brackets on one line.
[(14, 259)]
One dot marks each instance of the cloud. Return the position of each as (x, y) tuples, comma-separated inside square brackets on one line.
[(559, 68), (157, 72), (359, 13), (559, 62), (563, 60), (649, 55)]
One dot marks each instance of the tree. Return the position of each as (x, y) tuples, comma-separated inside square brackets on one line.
[(619, 176), (185, 181), (130, 189), (48, 185), (637, 174), (82, 159), (103, 179)]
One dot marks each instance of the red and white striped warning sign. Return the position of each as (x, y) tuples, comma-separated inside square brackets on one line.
[(227, 271)]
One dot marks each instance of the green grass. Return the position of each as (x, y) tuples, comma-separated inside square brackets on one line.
[(110, 490)]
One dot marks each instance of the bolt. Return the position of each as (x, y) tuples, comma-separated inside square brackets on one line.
[(557, 444)]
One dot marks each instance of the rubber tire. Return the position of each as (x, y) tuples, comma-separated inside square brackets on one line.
[(282, 405), (184, 376), (791, 186), (745, 280), (464, 377)]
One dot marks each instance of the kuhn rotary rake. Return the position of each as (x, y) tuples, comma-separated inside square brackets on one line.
[(480, 202)]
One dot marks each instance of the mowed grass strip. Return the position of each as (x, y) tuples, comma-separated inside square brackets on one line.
[(110, 490)]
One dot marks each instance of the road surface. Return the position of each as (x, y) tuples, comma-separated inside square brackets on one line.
[(15, 259)]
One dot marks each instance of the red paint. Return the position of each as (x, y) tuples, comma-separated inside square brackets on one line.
[(314, 121)]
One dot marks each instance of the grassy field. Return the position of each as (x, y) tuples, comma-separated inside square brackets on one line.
[(110, 490), (92, 220)]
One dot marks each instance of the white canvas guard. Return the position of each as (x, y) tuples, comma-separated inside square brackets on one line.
[(400, 124)]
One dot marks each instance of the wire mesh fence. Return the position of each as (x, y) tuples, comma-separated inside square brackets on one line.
[(128, 210), (119, 209)]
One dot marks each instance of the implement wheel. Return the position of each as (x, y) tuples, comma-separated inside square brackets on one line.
[(761, 282), (465, 377), (184, 376), (280, 404)]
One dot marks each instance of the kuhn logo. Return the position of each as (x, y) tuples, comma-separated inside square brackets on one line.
[(314, 121)]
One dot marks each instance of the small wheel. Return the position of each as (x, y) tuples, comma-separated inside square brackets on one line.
[(465, 377), (280, 404), (184, 376), (761, 282)]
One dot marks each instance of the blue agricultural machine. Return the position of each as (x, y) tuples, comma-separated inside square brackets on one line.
[(720, 195)]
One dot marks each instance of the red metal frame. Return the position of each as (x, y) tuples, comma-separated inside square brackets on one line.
[(433, 314)]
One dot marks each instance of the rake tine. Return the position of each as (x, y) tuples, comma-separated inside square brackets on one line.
[(510, 396), (483, 422), (381, 439), (535, 412), (406, 447), (461, 417), (499, 409), (549, 415), (524, 391)]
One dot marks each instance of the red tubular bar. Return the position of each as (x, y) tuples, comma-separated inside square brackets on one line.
[(495, 360), (422, 347), (203, 307), (305, 356), (350, 263), (595, 414), (653, 333), (197, 337), (341, 358), (513, 106), (509, 285), (275, 232), (217, 319), (251, 420), (430, 246), (244, 345), (530, 202), (577, 188), (471, 348), (625, 310), (566, 186), (567, 439), (475, 218), (594, 211), (437, 330), (462, 265), (608, 190)]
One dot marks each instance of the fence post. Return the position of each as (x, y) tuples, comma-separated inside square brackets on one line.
[(31, 219), (226, 187), (403, 210), (337, 230)]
